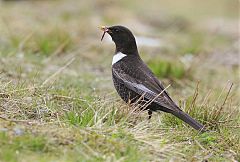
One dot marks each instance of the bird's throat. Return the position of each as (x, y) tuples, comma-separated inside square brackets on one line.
[(125, 47)]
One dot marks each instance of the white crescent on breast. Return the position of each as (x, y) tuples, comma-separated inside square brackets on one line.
[(117, 57)]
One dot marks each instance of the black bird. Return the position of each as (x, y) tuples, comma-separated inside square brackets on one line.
[(134, 81)]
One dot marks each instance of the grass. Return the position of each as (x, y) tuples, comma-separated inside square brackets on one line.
[(57, 101), (167, 69)]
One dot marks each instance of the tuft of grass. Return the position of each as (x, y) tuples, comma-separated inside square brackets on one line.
[(84, 119), (167, 69), (208, 139), (49, 42)]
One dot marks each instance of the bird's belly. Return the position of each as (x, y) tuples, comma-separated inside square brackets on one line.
[(125, 93)]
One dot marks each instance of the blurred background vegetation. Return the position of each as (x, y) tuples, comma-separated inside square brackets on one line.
[(57, 101)]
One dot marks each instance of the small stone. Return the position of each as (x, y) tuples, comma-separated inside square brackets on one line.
[(18, 131)]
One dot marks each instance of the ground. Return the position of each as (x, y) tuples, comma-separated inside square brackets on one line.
[(57, 101)]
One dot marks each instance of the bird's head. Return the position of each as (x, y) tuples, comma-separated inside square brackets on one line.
[(123, 39)]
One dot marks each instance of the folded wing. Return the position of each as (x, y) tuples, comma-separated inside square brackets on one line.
[(148, 88)]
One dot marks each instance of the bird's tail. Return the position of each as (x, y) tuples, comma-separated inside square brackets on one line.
[(189, 120)]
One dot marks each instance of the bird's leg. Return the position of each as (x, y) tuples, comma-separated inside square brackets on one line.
[(149, 114)]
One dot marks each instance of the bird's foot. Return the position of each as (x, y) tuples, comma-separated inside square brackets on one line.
[(149, 114)]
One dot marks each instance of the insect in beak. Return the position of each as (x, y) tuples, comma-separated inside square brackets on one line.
[(105, 30)]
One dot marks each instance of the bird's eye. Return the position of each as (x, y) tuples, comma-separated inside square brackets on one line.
[(116, 30)]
